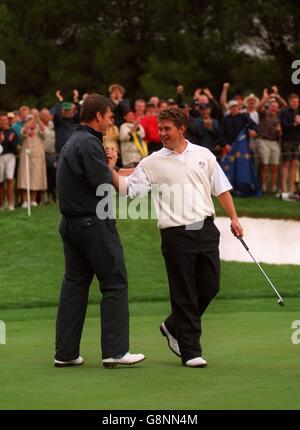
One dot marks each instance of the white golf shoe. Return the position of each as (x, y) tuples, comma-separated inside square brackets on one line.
[(127, 360), (172, 342), (196, 362), (77, 362)]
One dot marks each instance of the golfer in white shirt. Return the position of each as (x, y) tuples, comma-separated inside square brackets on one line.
[(182, 178)]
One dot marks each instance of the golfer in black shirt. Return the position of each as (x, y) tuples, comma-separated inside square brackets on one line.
[(91, 245)]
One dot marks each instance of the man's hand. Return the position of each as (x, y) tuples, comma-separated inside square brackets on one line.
[(274, 89), (197, 93), (236, 228), (112, 157), (29, 124), (75, 96), (252, 133), (36, 114), (11, 136), (208, 123), (208, 93), (227, 204), (226, 85), (59, 96), (266, 94), (135, 125), (279, 129)]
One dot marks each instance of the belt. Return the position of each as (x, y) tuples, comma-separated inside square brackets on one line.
[(193, 226)]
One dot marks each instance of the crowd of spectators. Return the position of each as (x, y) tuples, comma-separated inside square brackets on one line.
[(31, 139)]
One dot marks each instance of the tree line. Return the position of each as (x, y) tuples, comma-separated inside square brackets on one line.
[(148, 46)]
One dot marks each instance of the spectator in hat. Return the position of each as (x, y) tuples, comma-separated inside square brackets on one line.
[(251, 103), (224, 97), (120, 105), (66, 116), (195, 111), (171, 102), (12, 118), (234, 123)]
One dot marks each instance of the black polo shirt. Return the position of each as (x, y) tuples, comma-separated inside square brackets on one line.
[(82, 167), (291, 132)]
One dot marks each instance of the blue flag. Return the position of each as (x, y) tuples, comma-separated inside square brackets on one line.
[(239, 168)]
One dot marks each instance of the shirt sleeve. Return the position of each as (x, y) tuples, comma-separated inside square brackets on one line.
[(138, 183), (95, 165), (219, 182)]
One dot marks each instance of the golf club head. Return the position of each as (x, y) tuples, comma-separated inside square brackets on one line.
[(280, 302)]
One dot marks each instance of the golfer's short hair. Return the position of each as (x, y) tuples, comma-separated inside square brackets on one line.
[(92, 104), (175, 115)]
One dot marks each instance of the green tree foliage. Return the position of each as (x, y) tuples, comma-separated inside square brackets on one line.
[(148, 46)]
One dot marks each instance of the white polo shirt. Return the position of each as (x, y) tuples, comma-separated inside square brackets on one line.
[(181, 184)]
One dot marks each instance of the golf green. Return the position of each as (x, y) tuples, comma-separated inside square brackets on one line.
[(252, 362)]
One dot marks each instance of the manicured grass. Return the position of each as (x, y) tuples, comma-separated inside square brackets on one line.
[(32, 262), (267, 206), (252, 363), (246, 335)]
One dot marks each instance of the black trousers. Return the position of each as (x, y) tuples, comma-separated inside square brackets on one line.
[(193, 268), (92, 246)]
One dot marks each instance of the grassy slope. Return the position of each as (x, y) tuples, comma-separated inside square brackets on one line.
[(264, 207), (31, 262)]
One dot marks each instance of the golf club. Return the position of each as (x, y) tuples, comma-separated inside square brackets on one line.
[(280, 299)]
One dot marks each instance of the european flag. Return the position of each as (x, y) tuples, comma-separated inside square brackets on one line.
[(238, 166)]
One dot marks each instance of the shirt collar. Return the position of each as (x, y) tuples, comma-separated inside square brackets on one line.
[(85, 127), (189, 148)]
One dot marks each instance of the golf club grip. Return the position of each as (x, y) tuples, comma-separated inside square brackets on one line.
[(243, 243)]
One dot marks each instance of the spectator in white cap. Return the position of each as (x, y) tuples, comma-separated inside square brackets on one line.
[(235, 122)]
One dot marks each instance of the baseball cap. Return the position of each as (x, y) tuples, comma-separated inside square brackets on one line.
[(232, 103), (118, 86), (67, 105), (171, 101)]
